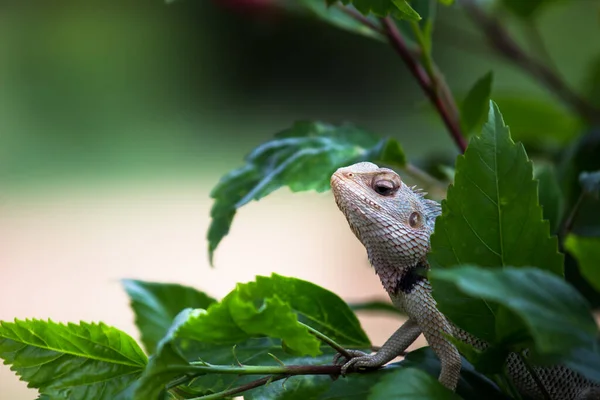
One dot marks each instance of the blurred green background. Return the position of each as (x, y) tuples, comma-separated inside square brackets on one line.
[(118, 116), (131, 89)]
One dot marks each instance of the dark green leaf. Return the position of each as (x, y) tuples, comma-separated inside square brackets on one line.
[(527, 8), (303, 158), (399, 9), (296, 387), (156, 305), (592, 82), (338, 18), (550, 195), (491, 216), (476, 104), (587, 252), (272, 306), (377, 306), (415, 384), (472, 384), (581, 156), (531, 308), (538, 122), (72, 361)]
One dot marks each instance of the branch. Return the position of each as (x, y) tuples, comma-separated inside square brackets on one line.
[(429, 79), (501, 41), (427, 83)]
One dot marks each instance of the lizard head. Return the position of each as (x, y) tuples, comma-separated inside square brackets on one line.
[(391, 219)]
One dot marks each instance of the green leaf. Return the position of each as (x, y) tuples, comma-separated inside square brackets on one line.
[(303, 158), (415, 384), (72, 361), (476, 104), (587, 252), (272, 306), (338, 18), (156, 305), (472, 384), (537, 121), (531, 308), (399, 9), (377, 306), (527, 8), (166, 364), (491, 216), (550, 195), (592, 82)]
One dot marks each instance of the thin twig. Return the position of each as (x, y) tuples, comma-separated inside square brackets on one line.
[(501, 41), (426, 83), (239, 389), (328, 341), (568, 224), (537, 43), (361, 18)]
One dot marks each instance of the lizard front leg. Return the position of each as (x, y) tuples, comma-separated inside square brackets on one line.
[(393, 347), (420, 305)]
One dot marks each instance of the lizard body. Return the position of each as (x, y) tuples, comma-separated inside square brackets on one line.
[(394, 223)]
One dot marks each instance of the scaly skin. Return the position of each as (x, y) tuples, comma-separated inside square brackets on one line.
[(394, 222)]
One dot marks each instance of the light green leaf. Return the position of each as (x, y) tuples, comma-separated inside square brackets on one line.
[(156, 305), (531, 308), (303, 158), (476, 104), (587, 252), (72, 361), (166, 364), (491, 216), (272, 306), (415, 385), (399, 9)]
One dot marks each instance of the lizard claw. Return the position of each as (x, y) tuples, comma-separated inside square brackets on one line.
[(359, 360), (339, 358)]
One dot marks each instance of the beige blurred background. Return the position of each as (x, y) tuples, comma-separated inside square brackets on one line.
[(117, 117)]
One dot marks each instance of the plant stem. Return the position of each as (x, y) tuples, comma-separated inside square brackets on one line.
[(202, 367), (250, 385), (426, 82), (361, 18), (328, 341), (568, 224), (501, 41)]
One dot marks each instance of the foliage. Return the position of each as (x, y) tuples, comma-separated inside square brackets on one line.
[(498, 270)]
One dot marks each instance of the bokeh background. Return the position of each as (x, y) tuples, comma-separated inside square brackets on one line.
[(117, 117)]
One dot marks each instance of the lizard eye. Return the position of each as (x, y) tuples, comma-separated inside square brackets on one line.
[(384, 187), (414, 220)]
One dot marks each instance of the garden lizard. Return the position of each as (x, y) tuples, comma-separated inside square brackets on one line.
[(394, 222)]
